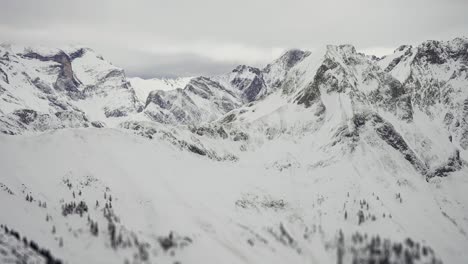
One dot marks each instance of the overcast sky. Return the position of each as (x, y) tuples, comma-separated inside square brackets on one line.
[(203, 37)]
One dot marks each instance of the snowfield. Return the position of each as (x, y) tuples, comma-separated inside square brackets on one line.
[(324, 157), (230, 212)]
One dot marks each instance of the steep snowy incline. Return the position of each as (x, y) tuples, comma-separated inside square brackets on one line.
[(142, 205)]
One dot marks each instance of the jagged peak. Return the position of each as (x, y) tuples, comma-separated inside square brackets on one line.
[(292, 57), (431, 45), (402, 48), (346, 48), (242, 68), (454, 45)]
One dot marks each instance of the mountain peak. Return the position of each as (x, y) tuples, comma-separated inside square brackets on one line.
[(292, 57)]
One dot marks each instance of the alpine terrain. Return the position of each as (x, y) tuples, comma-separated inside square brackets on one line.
[(323, 156)]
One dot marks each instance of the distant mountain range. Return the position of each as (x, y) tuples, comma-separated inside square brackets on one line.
[(330, 156)]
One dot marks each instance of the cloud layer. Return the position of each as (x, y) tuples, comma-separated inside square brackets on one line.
[(176, 37)]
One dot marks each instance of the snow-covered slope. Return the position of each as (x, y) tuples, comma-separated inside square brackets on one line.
[(331, 156), (144, 86)]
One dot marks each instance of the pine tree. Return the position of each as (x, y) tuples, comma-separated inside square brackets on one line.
[(340, 248), (96, 229), (360, 217)]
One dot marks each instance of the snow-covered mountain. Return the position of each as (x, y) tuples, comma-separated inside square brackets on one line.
[(331, 156), (45, 89), (205, 99)]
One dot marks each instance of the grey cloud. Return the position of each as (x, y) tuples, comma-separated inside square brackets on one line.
[(123, 29), (146, 65)]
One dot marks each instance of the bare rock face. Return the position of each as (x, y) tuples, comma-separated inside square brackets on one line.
[(249, 81), (65, 80)]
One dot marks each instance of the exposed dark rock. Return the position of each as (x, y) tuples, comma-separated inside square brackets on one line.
[(72, 116), (26, 116), (239, 135), (156, 97), (397, 60), (448, 119), (387, 133), (66, 80), (114, 73), (77, 54), (250, 87), (115, 112), (4, 76), (210, 131), (311, 93), (57, 103), (255, 87), (453, 164), (196, 150), (292, 57), (97, 124), (432, 52)]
